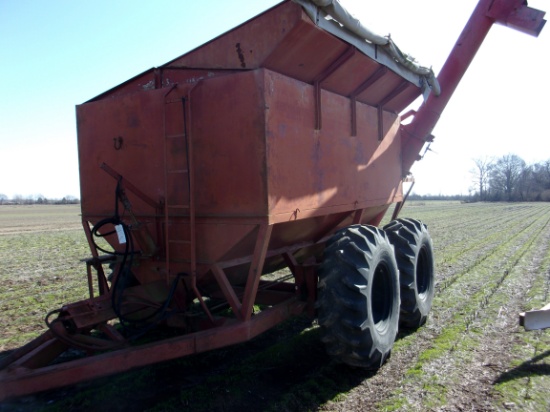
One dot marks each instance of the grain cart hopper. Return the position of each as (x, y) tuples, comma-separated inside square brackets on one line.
[(278, 144)]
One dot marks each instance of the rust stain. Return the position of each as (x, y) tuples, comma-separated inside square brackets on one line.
[(240, 54)]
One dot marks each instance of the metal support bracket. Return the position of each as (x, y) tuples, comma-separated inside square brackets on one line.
[(335, 65)]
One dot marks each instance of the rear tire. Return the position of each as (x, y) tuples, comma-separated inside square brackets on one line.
[(358, 300), (414, 255)]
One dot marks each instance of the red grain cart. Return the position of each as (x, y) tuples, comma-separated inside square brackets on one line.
[(278, 144)]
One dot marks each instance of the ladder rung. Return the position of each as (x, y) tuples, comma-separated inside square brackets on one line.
[(177, 170)]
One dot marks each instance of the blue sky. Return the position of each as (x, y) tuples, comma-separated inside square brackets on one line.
[(57, 54)]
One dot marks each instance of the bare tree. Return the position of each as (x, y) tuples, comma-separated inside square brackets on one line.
[(481, 174), (525, 184), (541, 180), (505, 176)]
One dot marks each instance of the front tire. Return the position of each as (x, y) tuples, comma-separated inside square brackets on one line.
[(358, 304), (415, 259)]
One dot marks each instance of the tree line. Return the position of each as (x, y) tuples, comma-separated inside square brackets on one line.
[(36, 200), (510, 178)]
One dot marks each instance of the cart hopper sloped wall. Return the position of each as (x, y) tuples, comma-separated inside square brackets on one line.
[(278, 143)]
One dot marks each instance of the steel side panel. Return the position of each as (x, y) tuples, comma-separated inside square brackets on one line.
[(284, 39), (137, 119), (247, 45), (228, 132), (257, 159), (311, 171)]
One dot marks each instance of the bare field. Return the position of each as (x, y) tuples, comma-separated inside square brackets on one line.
[(492, 262), (40, 251), (38, 218)]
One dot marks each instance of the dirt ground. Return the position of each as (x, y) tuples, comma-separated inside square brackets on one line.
[(471, 355)]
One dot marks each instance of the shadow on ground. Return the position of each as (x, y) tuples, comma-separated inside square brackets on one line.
[(528, 368), (285, 368)]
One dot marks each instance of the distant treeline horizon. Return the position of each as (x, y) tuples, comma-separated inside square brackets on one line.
[(37, 200)]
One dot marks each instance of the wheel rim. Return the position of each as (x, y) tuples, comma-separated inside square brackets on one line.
[(423, 273), (381, 297)]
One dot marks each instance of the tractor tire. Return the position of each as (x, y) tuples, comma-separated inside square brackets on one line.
[(415, 259), (358, 297)]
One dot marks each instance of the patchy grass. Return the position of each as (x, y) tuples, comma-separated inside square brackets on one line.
[(40, 268), (492, 262)]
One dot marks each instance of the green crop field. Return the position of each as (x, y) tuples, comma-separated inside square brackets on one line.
[(492, 262)]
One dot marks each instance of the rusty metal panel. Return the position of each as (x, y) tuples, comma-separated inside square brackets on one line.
[(228, 135), (256, 154), (127, 134), (305, 52), (314, 172), (285, 40), (247, 45), (353, 73)]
